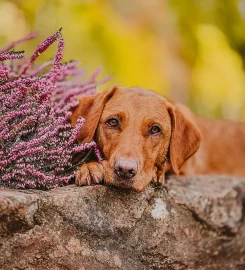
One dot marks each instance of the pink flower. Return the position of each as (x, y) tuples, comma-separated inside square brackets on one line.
[(37, 142)]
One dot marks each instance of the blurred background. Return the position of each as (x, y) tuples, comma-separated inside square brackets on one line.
[(192, 51)]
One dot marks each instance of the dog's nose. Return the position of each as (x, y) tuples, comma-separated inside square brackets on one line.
[(125, 168)]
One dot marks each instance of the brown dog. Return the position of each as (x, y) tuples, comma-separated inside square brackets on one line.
[(143, 136)]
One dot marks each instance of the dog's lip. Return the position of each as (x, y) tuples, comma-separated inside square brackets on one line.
[(118, 182), (128, 184), (125, 184), (121, 180)]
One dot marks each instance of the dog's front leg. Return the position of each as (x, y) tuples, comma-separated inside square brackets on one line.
[(159, 175), (89, 173)]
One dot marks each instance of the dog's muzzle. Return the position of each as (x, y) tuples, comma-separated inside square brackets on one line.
[(125, 169)]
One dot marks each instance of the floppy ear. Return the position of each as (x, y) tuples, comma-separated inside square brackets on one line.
[(185, 137), (90, 108)]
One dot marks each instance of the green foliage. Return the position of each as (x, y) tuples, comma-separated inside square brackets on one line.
[(191, 50)]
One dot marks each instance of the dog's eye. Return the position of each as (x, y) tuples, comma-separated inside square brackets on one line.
[(155, 130), (112, 122)]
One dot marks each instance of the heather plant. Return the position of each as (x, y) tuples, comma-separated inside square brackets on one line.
[(37, 142)]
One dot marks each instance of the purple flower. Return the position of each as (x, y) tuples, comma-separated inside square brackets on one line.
[(37, 142)]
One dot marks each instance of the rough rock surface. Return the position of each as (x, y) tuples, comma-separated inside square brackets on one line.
[(190, 223)]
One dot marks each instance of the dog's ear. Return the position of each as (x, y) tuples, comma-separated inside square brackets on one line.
[(90, 108), (185, 136)]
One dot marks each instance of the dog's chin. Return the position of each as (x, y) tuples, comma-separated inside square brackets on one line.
[(137, 184)]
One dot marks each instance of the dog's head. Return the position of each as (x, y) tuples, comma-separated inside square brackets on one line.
[(137, 131)]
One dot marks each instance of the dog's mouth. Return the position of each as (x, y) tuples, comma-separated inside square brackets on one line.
[(137, 183), (114, 180), (125, 183)]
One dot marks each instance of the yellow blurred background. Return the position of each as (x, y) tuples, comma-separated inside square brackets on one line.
[(192, 51)]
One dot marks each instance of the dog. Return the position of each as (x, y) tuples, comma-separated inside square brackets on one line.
[(144, 136)]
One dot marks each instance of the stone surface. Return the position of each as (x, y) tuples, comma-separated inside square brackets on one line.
[(190, 223)]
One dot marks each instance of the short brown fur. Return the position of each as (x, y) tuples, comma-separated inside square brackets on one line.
[(187, 144)]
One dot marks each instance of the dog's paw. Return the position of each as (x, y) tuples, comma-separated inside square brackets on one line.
[(158, 177), (161, 179), (89, 173)]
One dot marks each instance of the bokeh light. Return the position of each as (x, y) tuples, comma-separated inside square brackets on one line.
[(192, 51)]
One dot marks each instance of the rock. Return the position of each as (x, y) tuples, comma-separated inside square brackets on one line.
[(190, 223), (17, 211), (217, 201)]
